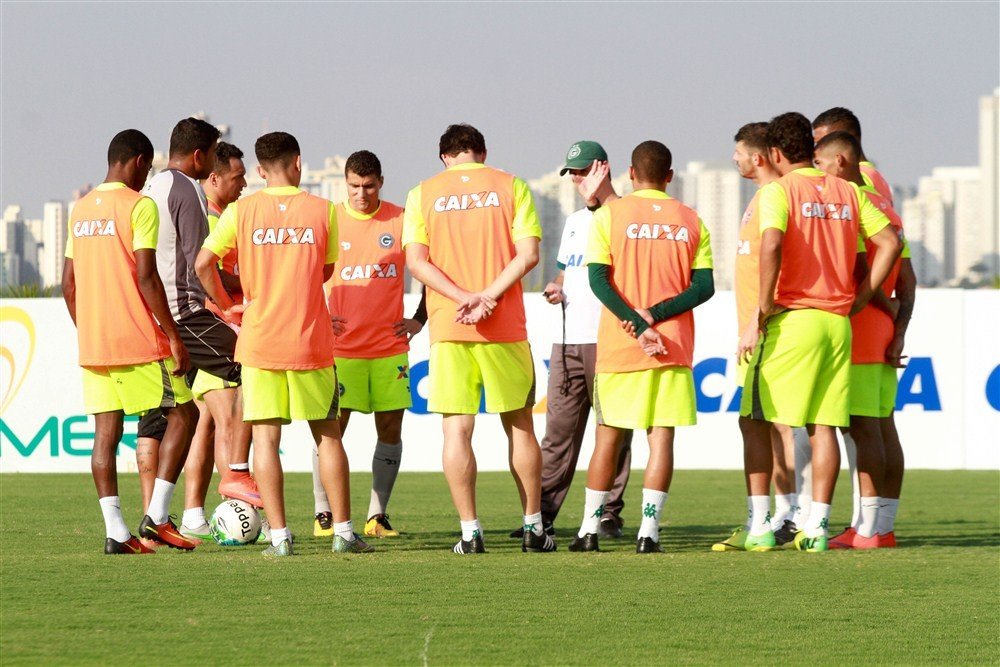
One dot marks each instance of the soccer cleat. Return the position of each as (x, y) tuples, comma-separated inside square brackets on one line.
[(355, 546), (845, 540), (588, 542), (165, 533), (279, 550), (130, 546), (810, 544), (785, 534), (887, 540), (323, 524), (647, 545), (200, 533), (265, 530), (379, 526), (861, 542), (609, 529), (734, 542), (152, 545), (240, 485), (533, 543), (547, 526), (764, 542), (473, 546)]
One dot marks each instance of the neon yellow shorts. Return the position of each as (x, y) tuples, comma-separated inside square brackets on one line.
[(640, 399), (287, 395), (873, 390), (460, 372), (800, 372), (133, 389), (374, 385), (206, 382), (741, 372)]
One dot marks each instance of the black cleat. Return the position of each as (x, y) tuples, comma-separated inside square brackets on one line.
[(586, 543), (647, 545), (130, 546), (537, 543), (785, 534), (609, 528), (546, 526), (473, 546)]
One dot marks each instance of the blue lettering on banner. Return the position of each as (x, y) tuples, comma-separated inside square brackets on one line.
[(993, 389), (701, 370), (918, 386)]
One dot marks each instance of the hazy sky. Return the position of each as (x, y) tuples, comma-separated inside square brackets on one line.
[(534, 77)]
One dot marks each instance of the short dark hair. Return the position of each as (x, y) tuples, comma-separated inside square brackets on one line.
[(651, 161), (127, 145), (276, 147), (839, 118), (192, 134), (754, 135), (223, 154), (460, 138), (841, 140), (363, 163), (791, 133)]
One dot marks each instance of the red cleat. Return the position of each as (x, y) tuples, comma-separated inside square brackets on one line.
[(887, 541), (166, 533), (130, 546), (860, 542), (843, 541), (239, 485)]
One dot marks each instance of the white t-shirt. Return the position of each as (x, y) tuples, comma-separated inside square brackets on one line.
[(583, 310)]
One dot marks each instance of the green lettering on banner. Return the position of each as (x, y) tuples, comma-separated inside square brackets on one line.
[(68, 436), (50, 428)]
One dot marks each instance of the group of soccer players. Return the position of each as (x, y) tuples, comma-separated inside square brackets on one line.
[(284, 306)]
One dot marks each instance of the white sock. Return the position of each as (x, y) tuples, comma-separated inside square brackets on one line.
[(320, 502), (159, 504), (783, 509), (851, 450), (240, 467), (533, 522), (385, 467), (114, 522), (746, 524), (345, 529), (760, 514), (193, 517), (887, 515), (652, 510), (280, 534), (593, 508), (868, 523), (819, 520), (803, 475), (471, 529)]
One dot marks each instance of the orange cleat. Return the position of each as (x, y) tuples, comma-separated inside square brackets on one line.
[(843, 541), (887, 541), (166, 533), (860, 542), (240, 485)]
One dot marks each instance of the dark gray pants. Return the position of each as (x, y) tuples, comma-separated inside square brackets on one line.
[(571, 369)]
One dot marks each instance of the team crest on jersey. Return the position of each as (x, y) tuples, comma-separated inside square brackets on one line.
[(657, 207), (386, 240), (346, 245)]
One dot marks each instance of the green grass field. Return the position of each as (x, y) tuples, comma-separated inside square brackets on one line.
[(936, 599)]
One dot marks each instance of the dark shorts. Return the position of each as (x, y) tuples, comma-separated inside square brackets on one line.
[(212, 347)]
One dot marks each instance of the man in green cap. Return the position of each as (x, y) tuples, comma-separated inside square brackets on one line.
[(571, 369)]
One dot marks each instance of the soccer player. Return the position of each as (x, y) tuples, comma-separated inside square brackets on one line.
[(366, 300), (130, 363), (799, 371), (470, 234), (650, 263), (750, 157), (571, 371), (841, 119), (211, 342), (873, 363), (287, 244)]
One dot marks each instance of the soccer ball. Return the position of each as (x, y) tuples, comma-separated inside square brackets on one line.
[(234, 523)]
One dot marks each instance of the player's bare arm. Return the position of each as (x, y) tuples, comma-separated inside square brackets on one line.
[(906, 292), (205, 266), (525, 259), (69, 288), (152, 291), (887, 249), (770, 266), (553, 292)]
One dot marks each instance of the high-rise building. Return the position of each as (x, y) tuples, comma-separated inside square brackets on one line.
[(555, 198), (989, 169), (328, 182), (54, 232), (11, 245)]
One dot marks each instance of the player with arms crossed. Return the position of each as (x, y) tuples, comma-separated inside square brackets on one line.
[(877, 334), (366, 301), (650, 264), (799, 371), (130, 364), (470, 234), (287, 244)]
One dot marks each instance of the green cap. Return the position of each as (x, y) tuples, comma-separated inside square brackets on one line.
[(582, 154)]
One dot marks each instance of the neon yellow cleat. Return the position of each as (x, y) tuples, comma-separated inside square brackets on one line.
[(379, 526), (734, 542), (323, 525), (810, 544)]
